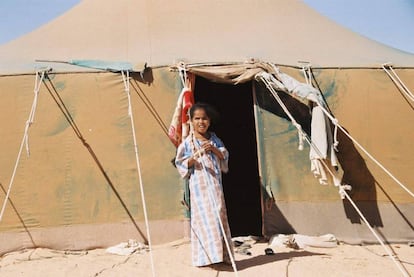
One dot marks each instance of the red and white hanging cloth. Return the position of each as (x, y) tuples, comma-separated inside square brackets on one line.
[(180, 122)]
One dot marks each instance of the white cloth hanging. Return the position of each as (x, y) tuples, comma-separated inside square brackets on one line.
[(321, 137)]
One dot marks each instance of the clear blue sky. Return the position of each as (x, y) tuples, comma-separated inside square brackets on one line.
[(19, 17), (388, 21)]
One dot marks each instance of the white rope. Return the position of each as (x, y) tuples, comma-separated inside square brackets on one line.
[(398, 264), (125, 78), (266, 79), (214, 204), (334, 176), (335, 122), (306, 70), (303, 135), (397, 81), (336, 126), (342, 192), (307, 74), (183, 74), (25, 140)]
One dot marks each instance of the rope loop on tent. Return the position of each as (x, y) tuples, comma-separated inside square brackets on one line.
[(335, 122), (183, 73), (30, 120), (25, 141), (300, 135), (125, 79), (306, 70), (397, 81)]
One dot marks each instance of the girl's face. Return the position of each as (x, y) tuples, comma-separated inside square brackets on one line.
[(200, 121)]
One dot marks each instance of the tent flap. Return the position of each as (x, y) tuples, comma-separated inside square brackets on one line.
[(231, 73)]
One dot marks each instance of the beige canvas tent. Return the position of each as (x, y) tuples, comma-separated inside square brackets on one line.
[(85, 164)]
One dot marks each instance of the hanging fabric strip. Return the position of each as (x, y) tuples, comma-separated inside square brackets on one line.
[(321, 137), (125, 78), (397, 81), (307, 72), (25, 141), (180, 123)]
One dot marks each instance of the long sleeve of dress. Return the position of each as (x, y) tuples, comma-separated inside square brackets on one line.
[(224, 164), (184, 153)]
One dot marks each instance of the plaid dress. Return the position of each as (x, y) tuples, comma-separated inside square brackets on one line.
[(206, 201)]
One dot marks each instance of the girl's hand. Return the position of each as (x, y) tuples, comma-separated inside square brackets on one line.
[(208, 147)]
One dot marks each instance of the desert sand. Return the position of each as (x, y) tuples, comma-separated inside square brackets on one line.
[(173, 259)]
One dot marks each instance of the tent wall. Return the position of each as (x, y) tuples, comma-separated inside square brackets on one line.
[(371, 108), (67, 185), (64, 195)]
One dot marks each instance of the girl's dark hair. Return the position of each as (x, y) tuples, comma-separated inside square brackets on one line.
[(210, 111)]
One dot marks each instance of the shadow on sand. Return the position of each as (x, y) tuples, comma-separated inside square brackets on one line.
[(263, 259)]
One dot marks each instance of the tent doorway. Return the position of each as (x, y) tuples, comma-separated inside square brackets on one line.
[(236, 127)]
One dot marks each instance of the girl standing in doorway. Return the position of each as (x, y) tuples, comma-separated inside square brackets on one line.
[(202, 157)]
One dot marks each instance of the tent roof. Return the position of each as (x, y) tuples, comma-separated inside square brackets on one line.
[(163, 33)]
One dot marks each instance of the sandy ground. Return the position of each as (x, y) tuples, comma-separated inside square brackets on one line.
[(173, 259)]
